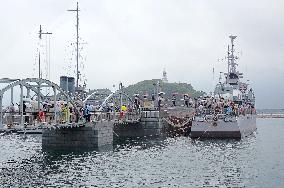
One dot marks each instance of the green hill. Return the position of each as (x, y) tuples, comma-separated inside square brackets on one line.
[(147, 86)]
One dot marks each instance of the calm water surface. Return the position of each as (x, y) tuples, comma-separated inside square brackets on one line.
[(256, 161)]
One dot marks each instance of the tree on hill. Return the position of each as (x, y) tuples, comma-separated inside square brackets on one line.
[(148, 87)]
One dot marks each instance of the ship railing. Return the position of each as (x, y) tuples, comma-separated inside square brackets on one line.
[(215, 117)]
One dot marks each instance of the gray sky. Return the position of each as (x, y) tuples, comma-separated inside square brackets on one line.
[(133, 40)]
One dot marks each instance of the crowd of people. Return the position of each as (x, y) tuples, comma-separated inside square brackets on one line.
[(202, 105), (66, 113), (159, 101), (46, 113), (211, 105)]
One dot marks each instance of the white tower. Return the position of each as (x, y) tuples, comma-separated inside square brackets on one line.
[(165, 78)]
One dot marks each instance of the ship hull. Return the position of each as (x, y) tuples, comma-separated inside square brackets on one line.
[(236, 128)]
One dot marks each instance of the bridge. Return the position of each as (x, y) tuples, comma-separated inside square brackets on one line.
[(30, 86), (35, 85)]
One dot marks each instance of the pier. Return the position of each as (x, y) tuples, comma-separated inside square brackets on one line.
[(87, 135), (73, 130), (148, 124)]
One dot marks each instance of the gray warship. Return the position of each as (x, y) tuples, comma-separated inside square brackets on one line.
[(229, 112)]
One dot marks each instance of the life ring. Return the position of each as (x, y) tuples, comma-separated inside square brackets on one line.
[(215, 118)]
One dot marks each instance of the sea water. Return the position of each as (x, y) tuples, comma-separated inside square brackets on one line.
[(256, 161)]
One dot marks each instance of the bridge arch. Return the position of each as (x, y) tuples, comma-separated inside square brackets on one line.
[(88, 97), (111, 95), (28, 86), (39, 81)]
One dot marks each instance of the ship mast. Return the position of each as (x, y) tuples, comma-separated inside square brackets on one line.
[(232, 76), (39, 68), (228, 55), (77, 45), (39, 63), (232, 64)]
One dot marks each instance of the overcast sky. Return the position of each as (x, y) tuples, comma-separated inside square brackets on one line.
[(134, 40)]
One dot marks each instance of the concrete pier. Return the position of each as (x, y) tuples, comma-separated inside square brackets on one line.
[(89, 135), (149, 125)]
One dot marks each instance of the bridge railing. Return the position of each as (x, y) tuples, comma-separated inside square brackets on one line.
[(33, 119), (114, 116)]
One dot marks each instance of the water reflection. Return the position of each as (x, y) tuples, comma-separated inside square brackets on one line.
[(169, 162)]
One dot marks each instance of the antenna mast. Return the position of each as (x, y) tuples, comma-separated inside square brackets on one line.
[(77, 44), (40, 36), (231, 57)]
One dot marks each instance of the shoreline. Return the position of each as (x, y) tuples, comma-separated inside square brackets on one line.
[(271, 115)]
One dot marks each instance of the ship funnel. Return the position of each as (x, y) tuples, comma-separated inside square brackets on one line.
[(67, 84)]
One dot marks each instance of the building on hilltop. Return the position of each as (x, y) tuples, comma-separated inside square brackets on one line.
[(165, 78)]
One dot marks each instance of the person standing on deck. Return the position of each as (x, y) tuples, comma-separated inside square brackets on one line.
[(25, 113), (86, 113), (90, 109), (136, 101), (160, 98), (41, 115), (153, 97), (186, 100), (11, 114), (65, 113), (174, 100)]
